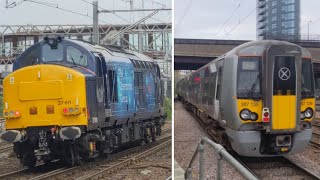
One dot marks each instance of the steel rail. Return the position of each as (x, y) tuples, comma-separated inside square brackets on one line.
[(291, 163), (6, 148), (129, 161), (116, 156)]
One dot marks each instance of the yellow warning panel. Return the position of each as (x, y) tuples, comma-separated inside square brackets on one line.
[(284, 112)]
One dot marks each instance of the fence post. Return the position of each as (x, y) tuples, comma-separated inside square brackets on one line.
[(188, 174), (201, 158), (219, 166)]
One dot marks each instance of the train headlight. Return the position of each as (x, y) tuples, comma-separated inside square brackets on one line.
[(11, 113), (253, 116), (51, 41), (245, 114), (308, 113), (302, 116), (70, 110), (5, 114)]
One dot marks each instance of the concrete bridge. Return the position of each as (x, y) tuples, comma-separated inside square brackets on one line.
[(191, 54)]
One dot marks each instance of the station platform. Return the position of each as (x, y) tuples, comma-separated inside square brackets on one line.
[(178, 171)]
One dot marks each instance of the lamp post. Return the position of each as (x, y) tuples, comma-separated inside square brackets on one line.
[(308, 28)]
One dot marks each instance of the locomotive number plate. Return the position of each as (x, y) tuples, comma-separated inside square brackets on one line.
[(66, 102)]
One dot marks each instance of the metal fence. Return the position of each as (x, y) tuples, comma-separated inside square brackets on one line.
[(221, 153)]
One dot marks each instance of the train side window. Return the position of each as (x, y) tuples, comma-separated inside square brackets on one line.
[(219, 83), (113, 85), (307, 88), (206, 82), (76, 56), (213, 80)]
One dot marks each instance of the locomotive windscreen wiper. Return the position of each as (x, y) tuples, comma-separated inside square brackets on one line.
[(253, 88), (73, 60)]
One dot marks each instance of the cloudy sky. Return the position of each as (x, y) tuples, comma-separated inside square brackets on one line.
[(29, 12), (219, 19)]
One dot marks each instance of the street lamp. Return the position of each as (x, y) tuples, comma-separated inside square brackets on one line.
[(308, 28)]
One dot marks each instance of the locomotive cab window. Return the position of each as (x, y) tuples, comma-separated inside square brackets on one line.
[(249, 75), (76, 56), (307, 87), (30, 58), (50, 54)]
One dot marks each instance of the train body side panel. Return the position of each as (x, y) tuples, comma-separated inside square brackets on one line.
[(151, 99), (125, 104)]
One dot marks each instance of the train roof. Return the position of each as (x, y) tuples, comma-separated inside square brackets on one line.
[(254, 48), (111, 51)]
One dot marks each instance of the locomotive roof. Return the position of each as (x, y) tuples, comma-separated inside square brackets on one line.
[(111, 51)]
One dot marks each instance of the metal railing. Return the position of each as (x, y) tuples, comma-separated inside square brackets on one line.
[(221, 153)]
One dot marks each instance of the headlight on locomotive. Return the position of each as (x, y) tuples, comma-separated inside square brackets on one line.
[(308, 113), (11, 114), (71, 111), (246, 114), (254, 116)]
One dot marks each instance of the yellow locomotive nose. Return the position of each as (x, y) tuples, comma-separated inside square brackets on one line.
[(39, 95)]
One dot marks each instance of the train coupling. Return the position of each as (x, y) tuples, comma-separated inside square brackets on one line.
[(43, 146)]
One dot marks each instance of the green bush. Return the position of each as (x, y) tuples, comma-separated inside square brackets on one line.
[(168, 108)]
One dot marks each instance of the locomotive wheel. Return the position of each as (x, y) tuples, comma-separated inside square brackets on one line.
[(142, 142), (29, 160), (71, 156)]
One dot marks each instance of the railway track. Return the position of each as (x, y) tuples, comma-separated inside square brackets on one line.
[(256, 165), (281, 167), (6, 148), (113, 162), (315, 140)]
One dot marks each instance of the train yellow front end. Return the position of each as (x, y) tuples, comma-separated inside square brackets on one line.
[(43, 101), (48, 95), (275, 98)]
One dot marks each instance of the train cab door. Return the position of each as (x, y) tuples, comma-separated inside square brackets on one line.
[(212, 88), (283, 92), (218, 91), (100, 87)]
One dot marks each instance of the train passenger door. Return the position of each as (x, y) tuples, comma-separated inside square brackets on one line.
[(284, 93), (212, 89), (218, 91)]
